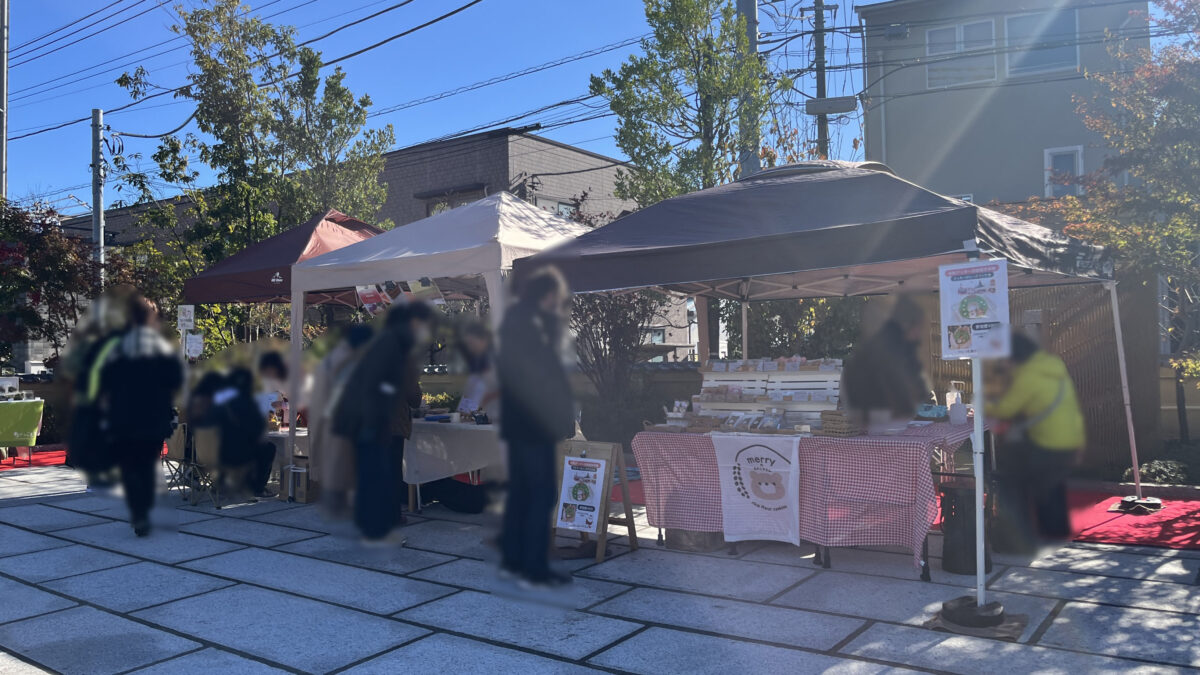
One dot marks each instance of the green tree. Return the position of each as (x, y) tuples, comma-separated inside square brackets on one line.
[(816, 328), (332, 162), (680, 104), (1145, 200)]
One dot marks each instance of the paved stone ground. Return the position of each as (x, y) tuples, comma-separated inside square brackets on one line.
[(271, 587)]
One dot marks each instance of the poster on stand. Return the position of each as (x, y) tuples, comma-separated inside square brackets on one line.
[(193, 345), (760, 497), (974, 310), (581, 494), (186, 317)]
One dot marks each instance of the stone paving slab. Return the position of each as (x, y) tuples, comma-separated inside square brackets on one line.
[(11, 665), (394, 559), (90, 502), (1107, 590), (660, 650), (21, 601), (452, 538), (1136, 633), (789, 627), (88, 641), (16, 490), (162, 545), (132, 587), (700, 574), (551, 630), (243, 510), (247, 531), (56, 563), (160, 516), (1139, 550), (296, 632), (441, 653), (483, 576), (308, 518), (15, 542), (365, 589), (861, 561), (1128, 565), (44, 518), (206, 662), (898, 600), (970, 655)]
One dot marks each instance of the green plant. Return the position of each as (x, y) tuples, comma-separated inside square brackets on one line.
[(441, 400), (1161, 471)]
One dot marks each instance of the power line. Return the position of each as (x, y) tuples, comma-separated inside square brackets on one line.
[(66, 26), (88, 36), (339, 59)]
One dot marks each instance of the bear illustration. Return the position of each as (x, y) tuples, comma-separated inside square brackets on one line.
[(766, 485)]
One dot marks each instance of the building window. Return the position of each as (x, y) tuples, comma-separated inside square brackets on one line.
[(436, 205), (1042, 43), (968, 197), (948, 49), (1060, 163), (658, 336), (564, 209)]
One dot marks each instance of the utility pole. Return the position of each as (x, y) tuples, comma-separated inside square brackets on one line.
[(4, 99), (819, 63), (748, 159), (98, 187)]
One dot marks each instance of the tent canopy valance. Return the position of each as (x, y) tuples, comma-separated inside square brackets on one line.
[(262, 272), (818, 229)]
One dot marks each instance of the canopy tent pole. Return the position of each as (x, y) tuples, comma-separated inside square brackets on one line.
[(497, 302), (1133, 454), (745, 301), (295, 380)]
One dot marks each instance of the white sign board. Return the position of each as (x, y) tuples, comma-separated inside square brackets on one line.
[(193, 345), (974, 303), (187, 317), (581, 494)]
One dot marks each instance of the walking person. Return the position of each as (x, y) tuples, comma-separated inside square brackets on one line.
[(331, 457), (381, 389), (1041, 447), (538, 412), (137, 391)]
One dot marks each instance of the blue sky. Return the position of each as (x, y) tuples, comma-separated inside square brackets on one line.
[(492, 38)]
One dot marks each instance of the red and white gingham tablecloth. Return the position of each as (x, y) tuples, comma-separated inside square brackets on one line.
[(862, 491)]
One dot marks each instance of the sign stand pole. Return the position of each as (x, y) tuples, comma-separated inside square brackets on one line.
[(977, 453)]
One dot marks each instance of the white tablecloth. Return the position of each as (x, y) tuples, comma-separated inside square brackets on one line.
[(438, 451), (279, 440)]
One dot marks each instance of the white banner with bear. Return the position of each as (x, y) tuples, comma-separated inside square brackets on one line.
[(760, 488)]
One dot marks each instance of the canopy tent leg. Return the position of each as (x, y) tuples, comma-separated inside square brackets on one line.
[(745, 329), (1137, 501), (295, 379), (977, 460), (497, 302)]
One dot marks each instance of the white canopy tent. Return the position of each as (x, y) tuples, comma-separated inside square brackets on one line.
[(475, 241)]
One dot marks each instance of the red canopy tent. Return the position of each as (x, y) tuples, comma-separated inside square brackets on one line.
[(262, 272)]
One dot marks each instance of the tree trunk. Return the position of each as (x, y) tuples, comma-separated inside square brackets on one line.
[(1181, 406)]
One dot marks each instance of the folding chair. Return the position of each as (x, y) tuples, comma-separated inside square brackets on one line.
[(175, 461), (205, 478)]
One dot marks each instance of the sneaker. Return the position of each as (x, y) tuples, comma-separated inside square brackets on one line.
[(141, 527), (265, 494)]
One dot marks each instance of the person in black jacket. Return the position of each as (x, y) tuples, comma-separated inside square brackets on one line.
[(242, 432), (137, 393), (537, 411)]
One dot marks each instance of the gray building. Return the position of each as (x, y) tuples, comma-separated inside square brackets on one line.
[(976, 98)]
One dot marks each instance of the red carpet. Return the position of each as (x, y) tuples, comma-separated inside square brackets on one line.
[(46, 458), (1177, 525)]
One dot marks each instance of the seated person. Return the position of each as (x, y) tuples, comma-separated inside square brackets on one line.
[(201, 407), (481, 391), (242, 432), (272, 375)]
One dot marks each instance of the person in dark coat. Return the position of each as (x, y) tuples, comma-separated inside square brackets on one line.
[(374, 412), (137, 393), (538, 411), (884, 376), (243, 429)]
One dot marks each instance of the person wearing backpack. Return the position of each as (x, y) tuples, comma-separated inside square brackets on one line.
[(138, 383), (1043, 443)]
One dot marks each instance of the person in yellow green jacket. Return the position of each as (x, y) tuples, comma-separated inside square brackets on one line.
[(1046, 437)]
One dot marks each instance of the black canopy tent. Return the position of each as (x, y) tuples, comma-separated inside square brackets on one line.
[(827, 229), (821, 229)]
